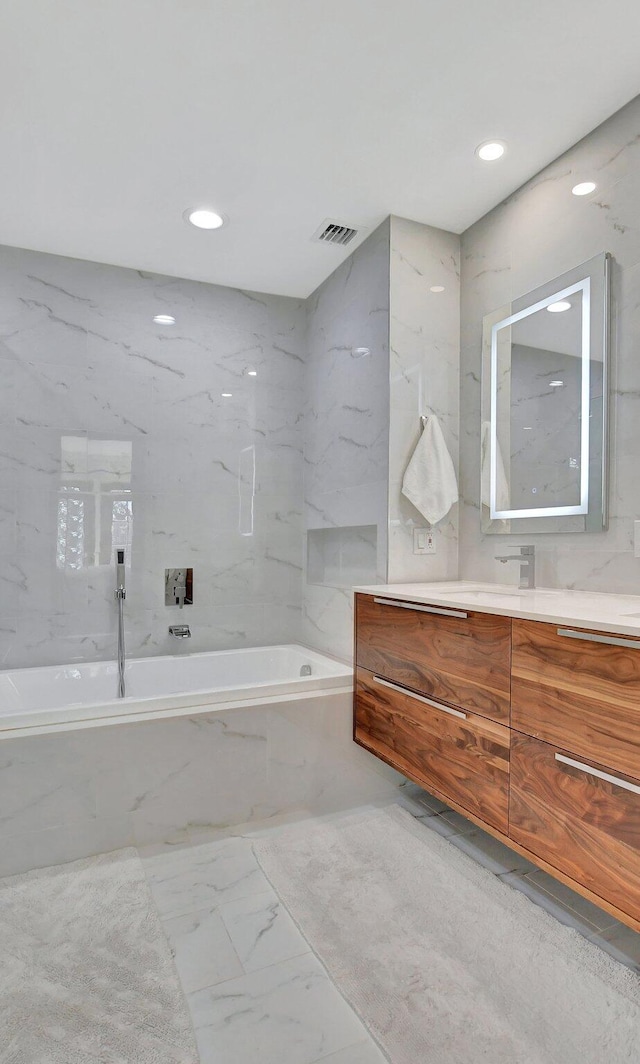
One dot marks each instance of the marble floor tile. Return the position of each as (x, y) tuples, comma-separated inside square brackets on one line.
[(585, 909), (178, 844), (442, 825), (491, 853), (419, 797), (363, 1053), (261, 930), (621, 943), (289, 1012), (460, 823), (200, 877), (554, 906), (203, 951)]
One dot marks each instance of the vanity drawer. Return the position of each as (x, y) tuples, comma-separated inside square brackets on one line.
[(579, 690), (452, 655), (463, 756), (580, 823)]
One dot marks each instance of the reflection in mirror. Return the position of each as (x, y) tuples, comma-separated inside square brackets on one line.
[(95, 508), (246, 490), (544, 407)]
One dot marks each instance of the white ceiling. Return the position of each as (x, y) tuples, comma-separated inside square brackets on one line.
[(116, 116)]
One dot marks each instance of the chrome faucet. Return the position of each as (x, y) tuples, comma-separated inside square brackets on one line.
[(180, 631), (527, 559), (178, 587)]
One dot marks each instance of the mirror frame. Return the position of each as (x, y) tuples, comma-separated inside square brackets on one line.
[(592, 279), (583, 286)]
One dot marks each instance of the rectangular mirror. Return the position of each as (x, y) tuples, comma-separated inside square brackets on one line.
[(544, 407)]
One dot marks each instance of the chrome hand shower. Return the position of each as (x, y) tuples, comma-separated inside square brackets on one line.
[(121, 595)]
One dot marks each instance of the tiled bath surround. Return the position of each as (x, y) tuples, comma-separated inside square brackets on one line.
[(114, 431), (346, 438), (70, 794), (382, 350), (538, 233)]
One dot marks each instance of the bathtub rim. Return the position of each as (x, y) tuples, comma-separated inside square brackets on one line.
[(152, 707)]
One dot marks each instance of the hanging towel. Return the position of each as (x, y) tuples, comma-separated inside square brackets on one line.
[(502, 484), (430, 479)]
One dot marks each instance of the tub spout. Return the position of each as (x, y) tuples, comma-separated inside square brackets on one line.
[(180, 631)]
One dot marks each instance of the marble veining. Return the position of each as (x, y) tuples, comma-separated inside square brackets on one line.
[(424, 379), (255, 989), (346, 429), (113, 427), (290, 1011), (537, 234), (215, 946), (261, 930), (70, 794)]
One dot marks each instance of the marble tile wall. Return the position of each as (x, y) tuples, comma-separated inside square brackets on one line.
[(538, 233), (71, 794), (114, 430), (424, 379), (346, 438)]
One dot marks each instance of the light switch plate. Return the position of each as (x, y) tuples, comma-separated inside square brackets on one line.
[(424, 541)]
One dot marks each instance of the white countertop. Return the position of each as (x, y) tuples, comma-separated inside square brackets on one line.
[(581, 609)]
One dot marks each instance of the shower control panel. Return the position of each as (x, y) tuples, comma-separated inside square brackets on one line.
[(178, 587)]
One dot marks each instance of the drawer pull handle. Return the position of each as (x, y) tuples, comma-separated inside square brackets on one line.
[(610, 640), (420, 698), (423, 609), (596, 772)]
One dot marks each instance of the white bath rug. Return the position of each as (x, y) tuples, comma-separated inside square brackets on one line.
[(444, 963), (86, 973)]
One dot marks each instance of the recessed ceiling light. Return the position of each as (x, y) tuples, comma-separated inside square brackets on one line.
[(361, 352), (559, 307), (252, 373), (584, 188), (227, 395), (164, 319), (490, 150), (527, 428), (204, 218), (556, 384), (437, 288)]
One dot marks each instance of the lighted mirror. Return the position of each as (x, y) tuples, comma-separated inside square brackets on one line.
[(544, 407)]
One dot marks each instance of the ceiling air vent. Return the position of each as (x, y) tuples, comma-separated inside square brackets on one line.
[(334, 233)]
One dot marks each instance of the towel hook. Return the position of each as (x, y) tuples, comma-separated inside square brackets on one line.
[(423, 420)]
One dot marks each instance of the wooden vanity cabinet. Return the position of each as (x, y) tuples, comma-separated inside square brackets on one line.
[(579, 817), (462, 755), (578, 689), (454, 656), (530, 729)]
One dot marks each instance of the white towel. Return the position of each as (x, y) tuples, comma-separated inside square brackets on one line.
[(502, 485), (430, 479)]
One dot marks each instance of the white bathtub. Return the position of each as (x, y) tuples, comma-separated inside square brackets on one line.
[(202, 742), (68, 696)]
